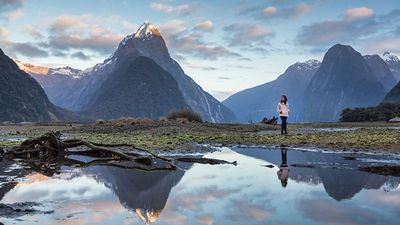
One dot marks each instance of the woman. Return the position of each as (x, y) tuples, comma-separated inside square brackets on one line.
[(283, 173), (283, 110)]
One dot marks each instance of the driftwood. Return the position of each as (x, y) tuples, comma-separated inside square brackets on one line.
[(272, 121), (386, 170), (50, 146), (48, 153), (205, 161)]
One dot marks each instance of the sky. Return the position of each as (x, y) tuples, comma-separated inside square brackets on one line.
[(224, 45)]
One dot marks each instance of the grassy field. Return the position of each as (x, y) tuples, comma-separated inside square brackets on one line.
[(166, 136)]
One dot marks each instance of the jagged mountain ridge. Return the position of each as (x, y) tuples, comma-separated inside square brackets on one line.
[(261, 101), (393, 62), (22, 98), (147, 41), (75, 91), (343, 80)]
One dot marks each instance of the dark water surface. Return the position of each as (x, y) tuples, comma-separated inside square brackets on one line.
[(332, 192)]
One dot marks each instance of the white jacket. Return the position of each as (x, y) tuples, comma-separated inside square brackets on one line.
[(283, 109)]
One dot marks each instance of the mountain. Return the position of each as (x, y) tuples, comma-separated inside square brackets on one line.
[(52, 80), (381, 71), (394, 64), (22, 98), (138, 87), (343, 80), (393, 95), (68, 87), (261, 101), (76, 93), (147, 41)]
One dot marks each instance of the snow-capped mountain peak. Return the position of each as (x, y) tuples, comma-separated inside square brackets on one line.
[(389, 57), (147, 30), (307, 65), (29, 68)]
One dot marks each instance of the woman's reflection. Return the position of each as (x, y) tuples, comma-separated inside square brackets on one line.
[(283, 173)]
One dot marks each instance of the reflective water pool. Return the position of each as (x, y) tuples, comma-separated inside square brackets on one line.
[(314, 188)]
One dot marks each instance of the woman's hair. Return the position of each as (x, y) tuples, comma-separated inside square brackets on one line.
[(285, 99)]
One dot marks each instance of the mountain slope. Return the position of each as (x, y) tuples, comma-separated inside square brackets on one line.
[(22, 98), (260, 101), (138, 87), (381, 71), (393, 95), (394, 64), (147, 41), (343, 80), (76, 94)]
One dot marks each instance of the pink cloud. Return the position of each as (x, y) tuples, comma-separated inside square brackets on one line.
[(362, 12)]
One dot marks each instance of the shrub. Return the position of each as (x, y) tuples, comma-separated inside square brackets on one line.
[(163, 119), (100, 122), (188, 114)]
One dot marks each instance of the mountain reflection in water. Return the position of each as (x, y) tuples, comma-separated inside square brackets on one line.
[(332, 192)]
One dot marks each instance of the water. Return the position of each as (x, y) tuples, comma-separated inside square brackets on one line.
[(333, 192), (344, 128)]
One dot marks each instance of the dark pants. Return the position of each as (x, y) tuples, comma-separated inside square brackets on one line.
[(284, 124), (284, 157)]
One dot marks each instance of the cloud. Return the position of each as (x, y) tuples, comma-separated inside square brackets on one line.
[(345, 213), (12, 6), (207, 68), (300, 10), (271, 12), (83, 32), (205, 26), (185, 9), (128, 27), (354, 25), (196, 47), (32, 31), (62, 23), (25, 49), (362, 12), (181, 42), (250, 37), (80, 55), (244, 212), (14, 15), (173, 27), (3, 34), (390, 44), (6, 5), (224, 78), (95, 42)]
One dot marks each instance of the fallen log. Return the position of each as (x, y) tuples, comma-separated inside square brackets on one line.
[(386, 170), (205, 161), (48, 153)]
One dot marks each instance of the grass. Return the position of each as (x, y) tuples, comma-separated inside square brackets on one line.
[(167, 136)]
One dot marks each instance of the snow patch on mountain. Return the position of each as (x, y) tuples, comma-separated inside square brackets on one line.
[(390, 58), (307, 65), (29, 68), (67, 71)]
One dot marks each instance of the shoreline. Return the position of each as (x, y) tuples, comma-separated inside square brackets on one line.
[(186, 137)]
